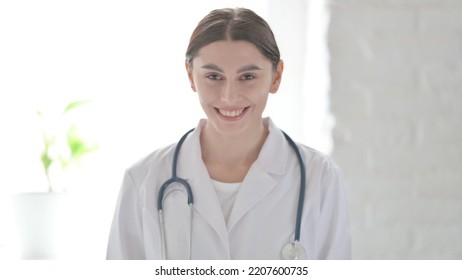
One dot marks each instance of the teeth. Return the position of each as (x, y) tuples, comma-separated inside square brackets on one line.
[(235, 113)]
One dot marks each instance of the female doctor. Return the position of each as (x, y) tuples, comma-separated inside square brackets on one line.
[(237, 182)]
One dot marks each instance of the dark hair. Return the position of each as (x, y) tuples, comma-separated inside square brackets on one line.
[(234, 24)]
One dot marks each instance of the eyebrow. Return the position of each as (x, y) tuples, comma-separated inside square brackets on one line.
[(251, 67), (214, 67)]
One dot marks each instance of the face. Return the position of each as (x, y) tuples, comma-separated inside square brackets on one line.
[(233, 81)]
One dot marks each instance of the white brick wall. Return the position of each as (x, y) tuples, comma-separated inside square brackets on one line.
[(396, 93)]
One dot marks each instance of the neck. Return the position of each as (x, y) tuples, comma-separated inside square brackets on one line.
[(229, 158)]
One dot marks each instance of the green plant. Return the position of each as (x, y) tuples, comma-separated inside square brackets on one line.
[(75, 146)]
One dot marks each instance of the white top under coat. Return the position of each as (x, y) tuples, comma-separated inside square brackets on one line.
[(226, 193)]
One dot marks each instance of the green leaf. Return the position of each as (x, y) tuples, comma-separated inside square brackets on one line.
[(64, 162), (77, 145), (46, 160), (74, 105)]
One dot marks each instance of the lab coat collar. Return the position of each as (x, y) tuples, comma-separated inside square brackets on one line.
[(268, 160), (257, 184), (263, 175), (192, 168), (271, 161)]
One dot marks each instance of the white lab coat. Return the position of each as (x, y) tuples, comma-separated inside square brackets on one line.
[(261, 222)]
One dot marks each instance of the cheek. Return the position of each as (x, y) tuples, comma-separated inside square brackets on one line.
[(263, 83), (257, 89), (207, 93)]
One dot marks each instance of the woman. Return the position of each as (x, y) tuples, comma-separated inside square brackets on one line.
[(244, 175)]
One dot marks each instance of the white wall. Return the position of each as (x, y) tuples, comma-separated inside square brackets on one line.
[(396, 93)]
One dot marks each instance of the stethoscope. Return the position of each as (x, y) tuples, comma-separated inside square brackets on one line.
[(294, 250)]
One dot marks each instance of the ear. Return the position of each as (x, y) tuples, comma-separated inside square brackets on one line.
[(190, 75), (277, 77)]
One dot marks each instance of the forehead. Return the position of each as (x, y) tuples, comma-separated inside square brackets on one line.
[(231, 53)]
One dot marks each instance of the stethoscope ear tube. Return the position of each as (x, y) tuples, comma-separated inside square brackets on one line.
[(301, 197), (177, 151)]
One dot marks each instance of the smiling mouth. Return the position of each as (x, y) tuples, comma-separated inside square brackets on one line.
[(231, 114)]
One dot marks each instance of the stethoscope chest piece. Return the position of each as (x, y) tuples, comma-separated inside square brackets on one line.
[(294, 251)]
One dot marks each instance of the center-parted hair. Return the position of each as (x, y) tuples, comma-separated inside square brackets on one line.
[(234, 25)]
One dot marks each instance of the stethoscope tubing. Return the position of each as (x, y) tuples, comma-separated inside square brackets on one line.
[(174, 178), (186, 185), (301, 196)]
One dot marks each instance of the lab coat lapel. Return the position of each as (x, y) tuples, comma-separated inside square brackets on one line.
[(192, 168), (262, 176)]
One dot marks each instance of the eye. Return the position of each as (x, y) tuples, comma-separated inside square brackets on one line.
[(247, 77), (214, 77)]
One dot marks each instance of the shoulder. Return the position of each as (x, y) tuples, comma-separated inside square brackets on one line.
[(158, 164), (318, 162), (159, 160)]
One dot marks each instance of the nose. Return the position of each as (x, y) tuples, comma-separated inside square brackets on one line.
[(229, 93)]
